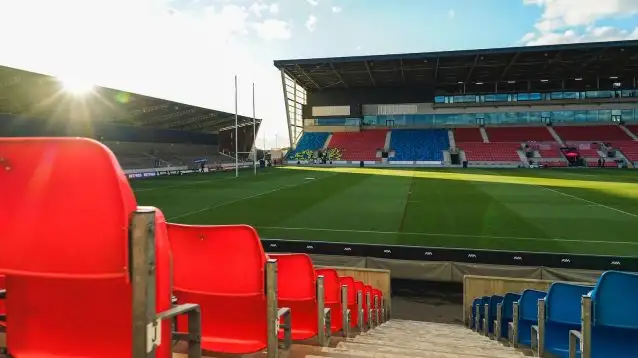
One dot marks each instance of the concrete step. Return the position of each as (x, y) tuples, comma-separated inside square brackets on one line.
[(428, 350)]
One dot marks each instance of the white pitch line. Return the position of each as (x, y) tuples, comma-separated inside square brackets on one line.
[(194, 183), (589, 201), (446, 235), (246, 198)]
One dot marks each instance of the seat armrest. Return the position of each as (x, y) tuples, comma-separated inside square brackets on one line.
[(286, 326), (194, 335), (574, 338)]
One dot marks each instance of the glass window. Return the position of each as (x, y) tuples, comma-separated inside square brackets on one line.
[(439, 99), (629, 115)]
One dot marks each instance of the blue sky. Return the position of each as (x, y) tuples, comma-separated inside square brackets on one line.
[(190, 50)]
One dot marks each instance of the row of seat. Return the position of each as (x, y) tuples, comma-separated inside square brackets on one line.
[(568, 320), (77, 250)]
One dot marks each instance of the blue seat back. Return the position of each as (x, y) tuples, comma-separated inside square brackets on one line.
[(508, 305), (562, 314), (614, 300), (528, 305), (507, 311), (493, 304), (562, 304)]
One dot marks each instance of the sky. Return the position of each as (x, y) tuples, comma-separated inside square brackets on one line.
[(190, 50)]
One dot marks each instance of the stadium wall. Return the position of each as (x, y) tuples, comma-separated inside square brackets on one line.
[(452, 271)]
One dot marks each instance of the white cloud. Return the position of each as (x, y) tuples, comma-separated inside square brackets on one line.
[(313, 2), (187, 56), (257, 8), (336, 9), (592, 34), (567, 13), (274, 8), (451, 14), (311, 23), (273, 29), (568, 21)]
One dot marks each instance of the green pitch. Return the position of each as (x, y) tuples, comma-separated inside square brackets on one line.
[(570, 211)]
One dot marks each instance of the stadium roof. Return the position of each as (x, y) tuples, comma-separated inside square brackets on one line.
[(449, 69), (31, 94)]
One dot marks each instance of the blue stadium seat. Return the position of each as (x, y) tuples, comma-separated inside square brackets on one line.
[(562, 314), (528, 314), (309, 141), (422, 145), (615, 315), (507, 311), (491, 314)]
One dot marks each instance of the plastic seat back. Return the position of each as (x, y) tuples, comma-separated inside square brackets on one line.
[(297, 282), (508, 311), (222, 268), (64, 220), (352, 298), (562, 314), (615, 315), (491, 314), (528, 314), (332, 294)]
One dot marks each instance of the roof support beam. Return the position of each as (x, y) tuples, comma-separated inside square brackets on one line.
[(436, 70), (370, 73), (509, 65), (402, 73), (307, 77), (338, 75), (469, 74)]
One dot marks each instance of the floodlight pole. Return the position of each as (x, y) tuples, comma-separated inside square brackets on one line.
[(254, 133), (236, 135)]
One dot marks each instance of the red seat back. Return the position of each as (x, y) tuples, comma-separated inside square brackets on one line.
[(297, 283), (64, 222), (221, 268), (352, 298), (332, 289)]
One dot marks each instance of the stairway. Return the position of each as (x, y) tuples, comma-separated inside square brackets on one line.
[(388, 139), (486, 139), (450, 136), (325, 145), (629, 133), (555, 135)]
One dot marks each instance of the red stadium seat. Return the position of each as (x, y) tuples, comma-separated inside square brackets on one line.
[(332, 293), (352, 298), (358, 145), (64, 221), (297, 282), (221, 268)]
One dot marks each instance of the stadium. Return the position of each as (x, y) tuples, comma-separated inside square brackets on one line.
[(496, 172)]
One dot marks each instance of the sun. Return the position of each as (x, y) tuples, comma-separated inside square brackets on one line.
[(77, 86)]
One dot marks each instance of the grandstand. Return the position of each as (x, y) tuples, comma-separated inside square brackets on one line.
[(145, 133), (331, 244), (493, 104)]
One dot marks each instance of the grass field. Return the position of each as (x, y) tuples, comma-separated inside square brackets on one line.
[(569, 211)]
